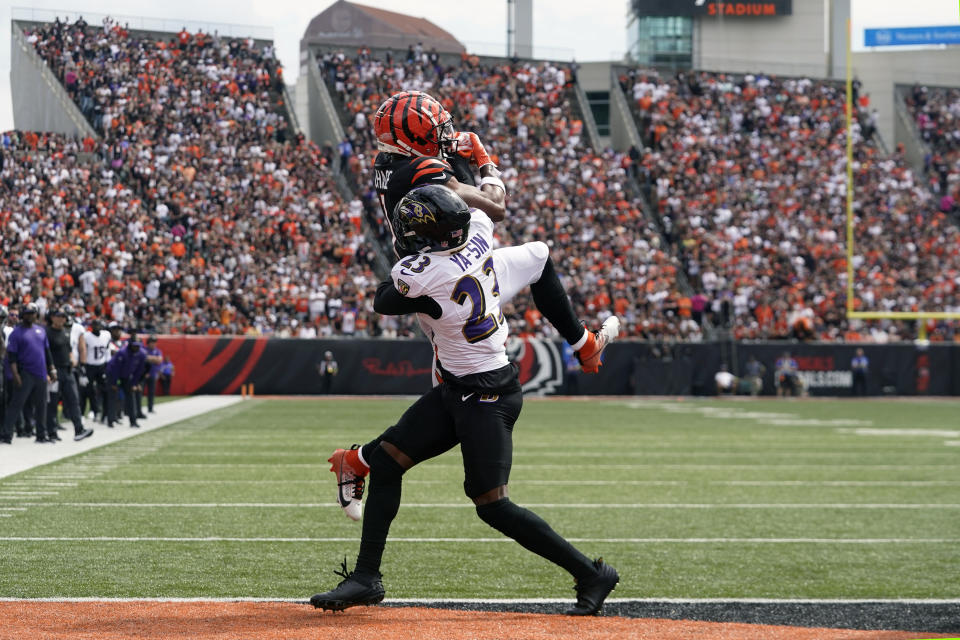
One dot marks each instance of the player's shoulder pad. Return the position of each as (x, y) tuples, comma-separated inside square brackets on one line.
[(479, 221), (424, 170), (406, 281)]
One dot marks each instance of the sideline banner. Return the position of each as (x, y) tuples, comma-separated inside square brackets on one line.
[(221, 365)]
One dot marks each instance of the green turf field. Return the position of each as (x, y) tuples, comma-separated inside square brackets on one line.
[(692, 499)]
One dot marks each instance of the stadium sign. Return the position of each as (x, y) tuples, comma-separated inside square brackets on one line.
[(911, 36), (716, 8)]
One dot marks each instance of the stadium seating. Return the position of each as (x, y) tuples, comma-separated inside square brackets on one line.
[(749, 175), (203, 213), (937, 114), (559, 191), (199, 211)]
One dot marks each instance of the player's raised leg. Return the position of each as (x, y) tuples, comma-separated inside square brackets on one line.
[(530, 264)]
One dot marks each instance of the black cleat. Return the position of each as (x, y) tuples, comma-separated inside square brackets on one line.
[(86, 433), (593, 591), (351, 592)]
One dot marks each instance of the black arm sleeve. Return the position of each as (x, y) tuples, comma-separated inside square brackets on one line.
[(389, 302)]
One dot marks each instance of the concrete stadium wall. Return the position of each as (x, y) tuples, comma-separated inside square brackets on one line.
[(787, 45), (40, 102)]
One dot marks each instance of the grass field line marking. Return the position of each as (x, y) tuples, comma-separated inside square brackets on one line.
[(597, 483), (37, 484), (13, 508), (838, 483), (14, 492), (936, 433), (440, 465), (813, 601), (864, 541), (579, 455), (466, 505)]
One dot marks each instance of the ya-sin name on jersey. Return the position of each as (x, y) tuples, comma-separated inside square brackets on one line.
[(471, 332)]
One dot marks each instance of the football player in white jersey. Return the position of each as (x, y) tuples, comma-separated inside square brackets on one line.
[(455, 281), (97, 342)]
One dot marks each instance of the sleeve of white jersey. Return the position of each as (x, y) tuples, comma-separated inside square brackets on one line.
[(406, 282)]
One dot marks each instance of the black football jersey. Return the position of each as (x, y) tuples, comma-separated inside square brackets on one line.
[(394, 175)]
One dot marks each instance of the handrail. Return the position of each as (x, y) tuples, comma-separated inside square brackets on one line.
[(291, 110), (589, 123)]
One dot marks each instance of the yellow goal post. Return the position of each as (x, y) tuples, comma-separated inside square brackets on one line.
[(872, 315)]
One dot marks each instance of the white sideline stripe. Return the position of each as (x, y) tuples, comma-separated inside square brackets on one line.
[(464, 505), (13, 508), (495, 540), (23, 456), (905, 601)]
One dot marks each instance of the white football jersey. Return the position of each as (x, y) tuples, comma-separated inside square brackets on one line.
[(471, 333), (98, 347), (76, 333)]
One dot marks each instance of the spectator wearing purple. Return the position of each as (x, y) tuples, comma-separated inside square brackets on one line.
[(124, 372), (154, 361), (32, 366)]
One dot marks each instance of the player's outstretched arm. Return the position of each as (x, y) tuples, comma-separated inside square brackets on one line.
[(491, 196), (390, 302)]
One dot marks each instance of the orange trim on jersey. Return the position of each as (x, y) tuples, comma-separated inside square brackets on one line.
[(424, 172)]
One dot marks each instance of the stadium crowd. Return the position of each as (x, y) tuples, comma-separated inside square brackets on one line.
[(749, 176), (937, 114), (197, 211), (559, 191)]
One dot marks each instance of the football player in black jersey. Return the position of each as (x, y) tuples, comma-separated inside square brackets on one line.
[(419, 146)]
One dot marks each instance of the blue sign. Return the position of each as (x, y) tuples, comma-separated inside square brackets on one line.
[(911, 36)]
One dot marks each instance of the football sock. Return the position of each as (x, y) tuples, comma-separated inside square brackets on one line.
[(553, 303), (535, 535), (366, 451), (383, 502)]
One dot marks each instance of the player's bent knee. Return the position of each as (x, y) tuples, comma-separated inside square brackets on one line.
[(540, 250), (383, 468), (499, 514), (495, 494), (398, 456)]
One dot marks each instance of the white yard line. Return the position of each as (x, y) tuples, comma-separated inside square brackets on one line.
[(440, 465), (835, 483), (864, 541), (903, 601), (24, 454), (467, 505)]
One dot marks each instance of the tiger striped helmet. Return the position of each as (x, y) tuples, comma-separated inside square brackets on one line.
[(412, 123)]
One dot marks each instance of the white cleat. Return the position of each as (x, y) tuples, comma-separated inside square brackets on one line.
[(589, 354)]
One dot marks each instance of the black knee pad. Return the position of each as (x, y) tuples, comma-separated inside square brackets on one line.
[(383, 468), (499, 514)]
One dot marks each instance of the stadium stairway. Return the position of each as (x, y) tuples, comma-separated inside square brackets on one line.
[(622, 117), (40, 101)]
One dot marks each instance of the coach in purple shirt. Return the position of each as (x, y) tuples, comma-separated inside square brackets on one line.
[(125, 371), (32, 366)]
